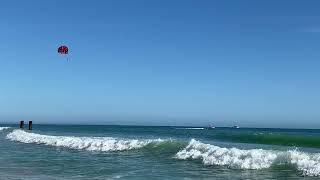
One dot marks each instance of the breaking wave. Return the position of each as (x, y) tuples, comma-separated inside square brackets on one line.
[(80, 143), (195, 128), (4, 128), (307, 164)]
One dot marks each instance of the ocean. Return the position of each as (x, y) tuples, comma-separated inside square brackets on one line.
[(145, 152)]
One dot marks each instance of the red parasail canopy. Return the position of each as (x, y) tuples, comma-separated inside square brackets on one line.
[(63, 49)]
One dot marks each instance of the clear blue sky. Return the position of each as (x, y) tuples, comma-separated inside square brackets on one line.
[(168, 62)]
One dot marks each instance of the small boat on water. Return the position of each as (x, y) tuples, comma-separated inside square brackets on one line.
[(236, 127), (211, 126)]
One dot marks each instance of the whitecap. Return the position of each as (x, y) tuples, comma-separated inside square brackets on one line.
[(4, 128), (195, 128), (233, 157), (80, 143), (308, 164)]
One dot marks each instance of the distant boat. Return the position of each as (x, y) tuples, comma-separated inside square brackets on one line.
[(236, 127), (211, 126)]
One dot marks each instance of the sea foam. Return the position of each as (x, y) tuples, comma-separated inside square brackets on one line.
[(233, 157), (308, 164), (80, 143), (3, 128)]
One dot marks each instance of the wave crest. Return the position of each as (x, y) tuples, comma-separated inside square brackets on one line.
[(308, 164), (4, 128), (233, 157), (275, 138), (80, 143)]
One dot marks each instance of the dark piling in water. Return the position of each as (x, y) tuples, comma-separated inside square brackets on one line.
[(21, 124), (30, 125)]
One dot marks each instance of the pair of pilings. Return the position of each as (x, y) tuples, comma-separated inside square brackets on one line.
[(22, 124)]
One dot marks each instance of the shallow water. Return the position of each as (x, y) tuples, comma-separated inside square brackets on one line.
[(135, 152)]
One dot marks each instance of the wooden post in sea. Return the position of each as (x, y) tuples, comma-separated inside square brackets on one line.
[(30, 125), (21, 124)]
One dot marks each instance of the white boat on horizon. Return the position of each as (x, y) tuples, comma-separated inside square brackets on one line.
[(210, 126)]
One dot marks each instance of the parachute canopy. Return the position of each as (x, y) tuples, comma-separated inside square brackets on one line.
[(63, 49)]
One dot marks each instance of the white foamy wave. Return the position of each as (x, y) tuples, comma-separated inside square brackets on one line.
[(234, 158), (3, 128), (80, 143), (308, 164)]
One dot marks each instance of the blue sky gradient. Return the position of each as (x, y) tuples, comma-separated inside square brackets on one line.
[(182, 62)]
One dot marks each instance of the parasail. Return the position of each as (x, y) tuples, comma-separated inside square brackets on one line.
[(63, 49)]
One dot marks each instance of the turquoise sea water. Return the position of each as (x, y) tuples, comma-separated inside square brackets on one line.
[(136, 152)]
